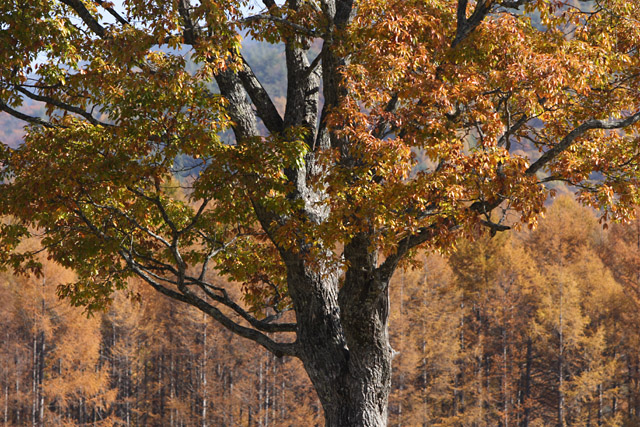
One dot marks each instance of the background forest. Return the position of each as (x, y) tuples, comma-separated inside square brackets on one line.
[(519, 329)]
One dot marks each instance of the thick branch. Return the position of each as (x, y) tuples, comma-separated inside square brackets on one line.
[(407, 243), (244, 120), (113, 13), (568, 140), (264, 105), (188, 297), (279, 349), (391, 106), (29, 119), (62, 105), (135, 267), (514, 4), (267, 17), (228, 302), (87, 18), (466, 25), (190, 32)]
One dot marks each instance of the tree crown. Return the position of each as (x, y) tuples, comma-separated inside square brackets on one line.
[(429, 115)]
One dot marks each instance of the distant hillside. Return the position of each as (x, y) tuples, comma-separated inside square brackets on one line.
[(12, 129)]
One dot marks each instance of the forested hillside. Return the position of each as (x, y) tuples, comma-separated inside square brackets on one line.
[(518, 329)]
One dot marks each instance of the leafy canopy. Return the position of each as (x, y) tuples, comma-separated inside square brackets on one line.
[(437, 115)]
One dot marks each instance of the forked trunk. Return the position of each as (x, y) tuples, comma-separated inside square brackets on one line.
[(344, 342), (358, 394), (353, 382)]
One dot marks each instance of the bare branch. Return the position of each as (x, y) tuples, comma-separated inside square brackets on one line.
[(186, 296), (113, 13), (29, 119), (279, 349), (265, 108), (147, 278), (62, 105), (224, 299)]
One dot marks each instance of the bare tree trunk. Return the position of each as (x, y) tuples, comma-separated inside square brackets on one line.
[(274, 389), (260, 395), (267, 395), (203, 368), (561, 366), (17, 393), (128, 392), (614, 403), (231, 384), (505, 378), (600, 403), (458, 394), (6, 403), (526, 393), (629, 387), (636, 386), (172, 386), (39, 347), (41, 379), (34, 378)]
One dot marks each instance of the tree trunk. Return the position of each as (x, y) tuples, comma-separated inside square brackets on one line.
[(600, 403), (561, 366), (203, 370), (343, 337), (526, 393), (6, 403), (505, 378)]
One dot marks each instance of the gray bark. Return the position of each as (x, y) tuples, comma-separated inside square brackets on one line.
[(526, 393)]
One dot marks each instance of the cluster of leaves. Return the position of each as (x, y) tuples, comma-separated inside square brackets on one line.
[(468, 108)]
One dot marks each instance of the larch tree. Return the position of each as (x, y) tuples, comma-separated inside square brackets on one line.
[(425, 332), (51, 356), (312, 209), (621, 253), (497, 279), (575, 290)]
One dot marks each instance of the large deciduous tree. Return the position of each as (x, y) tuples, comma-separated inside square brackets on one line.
[(407, 124)]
